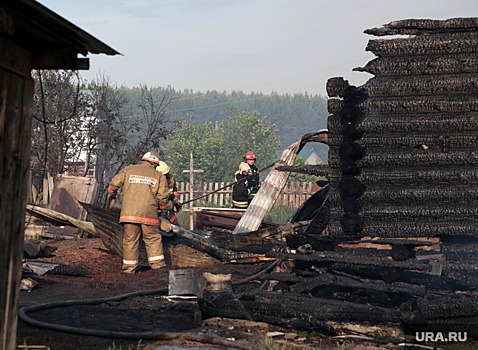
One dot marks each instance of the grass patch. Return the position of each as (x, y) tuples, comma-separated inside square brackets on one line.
[(280, 214)]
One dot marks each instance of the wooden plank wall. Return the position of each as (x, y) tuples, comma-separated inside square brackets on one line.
[(292, 195), (16, 99)]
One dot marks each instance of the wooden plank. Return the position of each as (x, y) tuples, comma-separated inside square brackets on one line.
[(8, 52), (15, 132), (222, 197), (51, 185), (216, 195), (52, 214)]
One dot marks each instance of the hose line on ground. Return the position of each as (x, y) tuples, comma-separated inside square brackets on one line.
[(22, 313)]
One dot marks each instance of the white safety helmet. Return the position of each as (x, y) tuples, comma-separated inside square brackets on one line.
[(163, 167), (151, 157), (244, 167)]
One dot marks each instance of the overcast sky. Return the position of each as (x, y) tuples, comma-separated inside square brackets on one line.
[(285, 46)]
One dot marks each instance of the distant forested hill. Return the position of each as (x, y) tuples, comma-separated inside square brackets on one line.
[(294, 115)]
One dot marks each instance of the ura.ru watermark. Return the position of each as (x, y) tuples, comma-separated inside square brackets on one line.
[(441, 336)]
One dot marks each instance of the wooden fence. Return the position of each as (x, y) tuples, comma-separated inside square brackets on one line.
[(293, 195)]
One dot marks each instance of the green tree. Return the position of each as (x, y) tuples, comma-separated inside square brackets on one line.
[(188, 136), (239, 133), (219, 152)]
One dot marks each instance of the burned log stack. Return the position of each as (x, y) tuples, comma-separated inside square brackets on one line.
[(403, 177), (403, 147)]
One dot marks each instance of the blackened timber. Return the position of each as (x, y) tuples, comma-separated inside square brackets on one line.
[(415, 228), (420, 65), (428, 85), (426, 26), (440, 212), (414, 122), (448, 307), (209, 246), (293, 305), (333, 257), (392, 275), (416, 176), (306, 323), (303, 284), (450, 43), (271, 234), (443, 103), (431, 139), (317, 170), (419, 158)]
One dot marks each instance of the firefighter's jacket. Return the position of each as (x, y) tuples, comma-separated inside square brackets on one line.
[(173, 187), (253, 180), (240, 193), (144, 189)]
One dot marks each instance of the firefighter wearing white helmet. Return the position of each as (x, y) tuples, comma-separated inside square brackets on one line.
[(240, 192), (144, 190), (173, 193)]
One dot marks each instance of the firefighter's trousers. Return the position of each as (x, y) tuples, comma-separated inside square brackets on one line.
[(152, 241)]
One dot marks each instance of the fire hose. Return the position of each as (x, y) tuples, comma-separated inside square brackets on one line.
[(22, 314), (226, 186)]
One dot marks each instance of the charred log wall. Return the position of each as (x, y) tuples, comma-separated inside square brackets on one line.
[(403, 148)]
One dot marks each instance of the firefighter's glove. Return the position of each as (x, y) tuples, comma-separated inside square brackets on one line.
[(111, 196), (167, 206), (178, 205)]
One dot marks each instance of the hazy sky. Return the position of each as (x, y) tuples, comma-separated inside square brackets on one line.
[(286, 46)]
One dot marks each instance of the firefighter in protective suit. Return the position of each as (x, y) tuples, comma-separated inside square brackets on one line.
[(240, 191), (253, 179), (144, 190), (173, 193)]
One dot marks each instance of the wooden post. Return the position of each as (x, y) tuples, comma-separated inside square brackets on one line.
[(191, 172), (16, 106)]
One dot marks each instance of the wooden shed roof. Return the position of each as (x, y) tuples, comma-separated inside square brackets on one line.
[(53, 41)]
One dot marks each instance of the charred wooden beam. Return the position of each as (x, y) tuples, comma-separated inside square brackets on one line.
[(317, 170), (425, 26), (391, 275), (273, 234), (305, 323), (322, 280), (292, 306), (448, 307), (463, 63), (451, 43), (327, 257)]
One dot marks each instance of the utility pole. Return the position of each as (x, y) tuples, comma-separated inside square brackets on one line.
[(191, 172)]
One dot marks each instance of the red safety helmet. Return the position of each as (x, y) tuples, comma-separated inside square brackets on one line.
[(250, 155)]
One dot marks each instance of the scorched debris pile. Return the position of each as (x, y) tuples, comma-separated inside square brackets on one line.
[(403, 158)]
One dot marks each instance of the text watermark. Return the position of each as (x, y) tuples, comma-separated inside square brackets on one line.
[(441, 336)]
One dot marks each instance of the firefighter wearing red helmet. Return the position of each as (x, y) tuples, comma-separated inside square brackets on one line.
[(245, 190), (144, 189)]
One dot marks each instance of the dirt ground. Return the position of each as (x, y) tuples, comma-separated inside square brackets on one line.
[(148, 313)]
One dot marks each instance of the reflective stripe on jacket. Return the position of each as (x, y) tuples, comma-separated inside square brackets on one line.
[(144, 189)]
